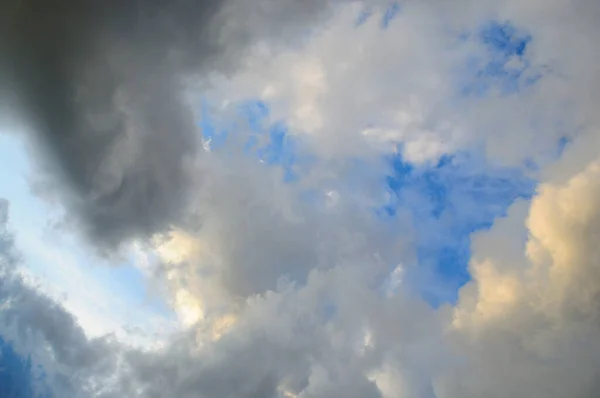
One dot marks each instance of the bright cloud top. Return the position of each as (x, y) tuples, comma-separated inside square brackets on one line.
[(333, 199)]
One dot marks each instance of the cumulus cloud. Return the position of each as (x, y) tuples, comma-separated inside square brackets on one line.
[(282, 286), (339, 85), (525, 325), (258, 230), (529, 326), (354, 88)]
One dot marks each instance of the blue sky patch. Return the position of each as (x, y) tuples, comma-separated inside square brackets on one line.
[(390, 13), (449, 201), (505, 65), (266, 140), (364, 16), (280, 150), (504, 38), (18, 375)]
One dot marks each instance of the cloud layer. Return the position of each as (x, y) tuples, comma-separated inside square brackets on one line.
[(289, 232)]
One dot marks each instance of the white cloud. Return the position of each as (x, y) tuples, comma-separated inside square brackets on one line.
[(529, 327), (401, 85), (345, 79)]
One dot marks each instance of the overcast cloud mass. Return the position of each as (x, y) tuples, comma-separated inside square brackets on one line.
[(335, 198)]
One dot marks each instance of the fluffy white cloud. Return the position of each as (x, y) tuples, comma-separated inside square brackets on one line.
[(345, 79), (354, 88), (257, 232), (530, 327)]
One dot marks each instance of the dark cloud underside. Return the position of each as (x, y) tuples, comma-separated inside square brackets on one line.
[(99, 82)]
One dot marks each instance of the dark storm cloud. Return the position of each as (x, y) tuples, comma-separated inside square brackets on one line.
[(100, 83)]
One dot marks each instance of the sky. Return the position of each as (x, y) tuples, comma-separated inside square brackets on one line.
[(281, 199)]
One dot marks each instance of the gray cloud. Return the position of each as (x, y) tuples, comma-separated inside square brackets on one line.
[(257, 229), (527, 325), (280, 343), (101, 86), (38, 325), (97, 83), (9, 257)]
